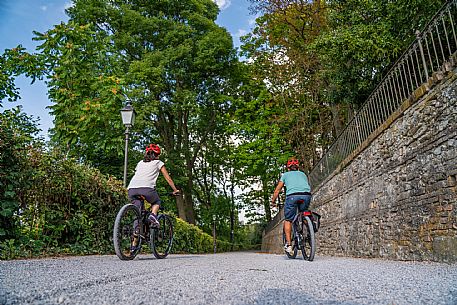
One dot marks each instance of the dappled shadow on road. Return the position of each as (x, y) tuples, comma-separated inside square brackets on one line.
[(290, 296)]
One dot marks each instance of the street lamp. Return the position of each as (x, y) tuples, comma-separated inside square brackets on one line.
[(128, 118), (214, 234)]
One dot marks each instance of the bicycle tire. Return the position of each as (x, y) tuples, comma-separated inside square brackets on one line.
[(127, 219), (161, 239), (293, 244), (308, 242)]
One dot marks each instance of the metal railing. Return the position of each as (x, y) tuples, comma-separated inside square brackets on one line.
[(432, 51)]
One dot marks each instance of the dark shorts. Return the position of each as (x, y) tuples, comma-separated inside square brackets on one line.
[(290, 207), (149, 194)]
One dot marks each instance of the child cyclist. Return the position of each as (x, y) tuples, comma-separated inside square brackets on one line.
[(298, 195), (144, 181)]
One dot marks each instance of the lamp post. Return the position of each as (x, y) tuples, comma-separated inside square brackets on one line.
[(128, 118), (214, 234)]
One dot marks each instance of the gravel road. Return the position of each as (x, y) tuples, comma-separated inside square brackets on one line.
[(227, 278)]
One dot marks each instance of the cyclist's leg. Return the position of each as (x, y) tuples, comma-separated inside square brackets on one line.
[(153, 198), (132, 197), (132, 193), (290, 210)]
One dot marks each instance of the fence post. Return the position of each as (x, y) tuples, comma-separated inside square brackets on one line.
[(422, 54)]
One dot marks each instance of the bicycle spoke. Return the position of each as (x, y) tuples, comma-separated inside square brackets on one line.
[(162, 237), (308, 243), (126, 234)]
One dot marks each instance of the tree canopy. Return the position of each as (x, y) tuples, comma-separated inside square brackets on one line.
[(223, 123)]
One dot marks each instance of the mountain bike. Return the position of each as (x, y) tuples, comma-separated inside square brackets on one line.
[(132, 229), (304, 225)]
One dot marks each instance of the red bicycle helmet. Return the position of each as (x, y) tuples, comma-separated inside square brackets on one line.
[(292, 162), (153, 148)]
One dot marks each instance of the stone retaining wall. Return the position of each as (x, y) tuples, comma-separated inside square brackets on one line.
[(396, 196)]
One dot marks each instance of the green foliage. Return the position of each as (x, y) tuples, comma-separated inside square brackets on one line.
[(189, 238), (15, 62), (221, 123), (85, 85), (168, 57), (363, 39), (79, 209), (17, 144), (321, 59), (49, 203), (67, 208)]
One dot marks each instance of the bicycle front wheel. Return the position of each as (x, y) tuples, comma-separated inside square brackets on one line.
[(308, 242), (127, 232), (162, 237)]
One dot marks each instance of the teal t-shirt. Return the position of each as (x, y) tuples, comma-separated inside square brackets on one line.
[(295, 182)]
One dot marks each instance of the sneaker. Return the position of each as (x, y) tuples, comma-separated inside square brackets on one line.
[(133, 249), (153, 221), (288, 248)]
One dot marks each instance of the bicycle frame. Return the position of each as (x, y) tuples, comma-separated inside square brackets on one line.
[(132, 230), (303, 236)]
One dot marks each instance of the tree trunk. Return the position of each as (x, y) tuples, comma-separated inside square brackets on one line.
[(266, 201), (337, 119), (181, 207), (188, 202)]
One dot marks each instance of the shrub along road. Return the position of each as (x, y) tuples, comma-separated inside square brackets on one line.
[(226, 278)]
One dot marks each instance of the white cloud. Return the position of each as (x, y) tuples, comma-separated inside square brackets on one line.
[(44, 8), (223, 4), (240, 33), (68, 5)]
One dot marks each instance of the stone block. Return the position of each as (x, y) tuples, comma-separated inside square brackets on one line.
[(448, 207), (445, 248)]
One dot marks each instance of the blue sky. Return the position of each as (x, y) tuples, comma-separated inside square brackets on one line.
[(19, 18)]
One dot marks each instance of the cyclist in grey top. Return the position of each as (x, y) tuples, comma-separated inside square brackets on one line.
[(144, 181), (298, 195)]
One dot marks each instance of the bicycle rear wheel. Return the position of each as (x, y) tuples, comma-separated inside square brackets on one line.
[(127, 242), (162, 237), (293, 243), (308, 242)]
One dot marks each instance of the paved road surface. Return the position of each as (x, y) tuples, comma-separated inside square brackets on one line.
[(228, 278)]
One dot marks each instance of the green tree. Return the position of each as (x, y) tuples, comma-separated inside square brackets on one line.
[(81, 67), (261, 147), (322, 59), (279, 52), (17, 143), (168, 57), (14, 62)]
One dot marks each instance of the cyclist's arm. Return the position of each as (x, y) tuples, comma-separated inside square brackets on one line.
[(169, 180), (276, 192)]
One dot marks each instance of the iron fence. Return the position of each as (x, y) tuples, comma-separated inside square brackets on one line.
[(432, 51)]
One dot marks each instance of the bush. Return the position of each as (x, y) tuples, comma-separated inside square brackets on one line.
[(189, 238), (17, 132), (52, 205)]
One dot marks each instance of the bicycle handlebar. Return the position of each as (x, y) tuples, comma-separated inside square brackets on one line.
[(173, 194)]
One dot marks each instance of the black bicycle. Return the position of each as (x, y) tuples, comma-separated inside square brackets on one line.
[(304, 225), (132, 230)]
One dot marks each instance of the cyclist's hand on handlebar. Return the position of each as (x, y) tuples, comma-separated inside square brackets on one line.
[(176, 193)]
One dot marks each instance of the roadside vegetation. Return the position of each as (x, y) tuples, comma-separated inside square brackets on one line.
[(227, 119)]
